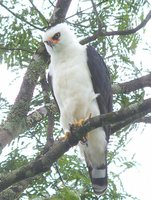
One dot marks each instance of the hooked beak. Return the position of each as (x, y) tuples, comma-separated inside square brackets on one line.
[(49, 43)]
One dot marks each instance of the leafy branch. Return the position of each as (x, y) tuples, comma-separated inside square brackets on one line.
[(127, 87), (43, 163), (16, 120), (19, 17), (38, 11), (100, 33), (7, 48), (14, 191), (19, 120)]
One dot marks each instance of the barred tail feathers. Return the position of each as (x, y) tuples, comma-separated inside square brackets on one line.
[(99, 179)]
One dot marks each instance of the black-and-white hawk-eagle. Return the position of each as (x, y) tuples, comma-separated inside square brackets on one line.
[(81, 86)]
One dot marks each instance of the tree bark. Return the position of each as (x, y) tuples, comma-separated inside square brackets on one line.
[(127, 87), (36, 116), (16, 120), (42, 164)]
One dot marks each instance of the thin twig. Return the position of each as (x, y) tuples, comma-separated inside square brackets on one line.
[(59, 173), (47, 102), (15, 49), (97, 16), (111, 33), (79, 12), (20, 18), (51, 3), (38, 11), (60, 147)]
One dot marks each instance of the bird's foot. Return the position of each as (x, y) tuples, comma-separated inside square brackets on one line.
[(78, 123), (65, 136)]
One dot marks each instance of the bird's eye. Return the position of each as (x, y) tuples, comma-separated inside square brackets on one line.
[(56, 36)]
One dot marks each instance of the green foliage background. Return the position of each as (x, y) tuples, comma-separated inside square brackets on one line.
[(21, 28)]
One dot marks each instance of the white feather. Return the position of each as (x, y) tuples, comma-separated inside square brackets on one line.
[(73, 89)]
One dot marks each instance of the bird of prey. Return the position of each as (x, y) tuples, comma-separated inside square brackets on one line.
[(81, 86)]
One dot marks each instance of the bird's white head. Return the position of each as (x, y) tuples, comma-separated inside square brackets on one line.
[(59, 38)]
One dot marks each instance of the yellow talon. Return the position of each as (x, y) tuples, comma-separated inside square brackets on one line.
[(79, 122), (65, 136)]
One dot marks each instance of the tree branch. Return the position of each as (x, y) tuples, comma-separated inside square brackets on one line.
[(42, 164), (128, 114), (20, 18), (127, 87), (51, 3), (146, 120), (81, 11), (16, 120), (14, 191), (6, 48), (39, 114), (38, 11), (50, 114), (36, 116), (111, 33), (59, 12), (97, 15)]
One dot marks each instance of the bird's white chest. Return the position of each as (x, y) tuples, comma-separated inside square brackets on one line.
[(71, 78)]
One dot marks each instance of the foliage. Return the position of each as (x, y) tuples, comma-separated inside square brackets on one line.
[(22, 25)]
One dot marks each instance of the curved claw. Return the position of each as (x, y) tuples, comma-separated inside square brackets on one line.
[(65, 136), (79, 122)]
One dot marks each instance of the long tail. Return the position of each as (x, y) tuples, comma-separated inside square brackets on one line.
[(99, 179), (94, 150), (98, 176)]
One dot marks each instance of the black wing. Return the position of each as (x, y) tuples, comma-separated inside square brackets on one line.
[(102, 85), (101, 82)]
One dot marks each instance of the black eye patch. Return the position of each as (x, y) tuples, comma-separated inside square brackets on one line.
[(56, 36)]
